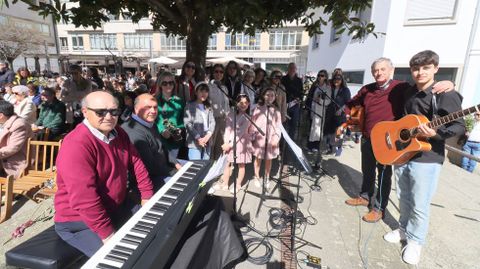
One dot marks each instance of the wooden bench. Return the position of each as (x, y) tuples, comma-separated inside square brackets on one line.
[(6, 196), (40, 172)]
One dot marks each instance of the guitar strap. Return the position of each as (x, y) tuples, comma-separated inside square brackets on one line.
[(434, 106)]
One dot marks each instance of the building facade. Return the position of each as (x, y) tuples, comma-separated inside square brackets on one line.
[(135, 43), (42, 55), (448, 27)]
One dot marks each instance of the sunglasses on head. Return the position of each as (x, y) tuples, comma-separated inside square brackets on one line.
[(166, 83), (102, 112)]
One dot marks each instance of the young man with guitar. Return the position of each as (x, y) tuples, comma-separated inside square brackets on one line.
[(417, 178), (382, 101)]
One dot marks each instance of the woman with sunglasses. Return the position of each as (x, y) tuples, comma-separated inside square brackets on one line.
[(280, 93), (186, 82), (23, 106), (170, 117), (335, 115), (220, 104), (247, 87), (317, 101), (199, 124), (243, 143)]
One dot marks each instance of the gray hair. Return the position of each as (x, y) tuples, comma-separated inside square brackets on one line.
[(381, 59)]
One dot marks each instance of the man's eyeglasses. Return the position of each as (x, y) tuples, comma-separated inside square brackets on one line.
[(166, 83), (102, 112)]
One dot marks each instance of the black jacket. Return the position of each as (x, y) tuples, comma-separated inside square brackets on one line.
[(147, 142)]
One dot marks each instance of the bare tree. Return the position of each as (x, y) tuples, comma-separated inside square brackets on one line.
[(17, 41)]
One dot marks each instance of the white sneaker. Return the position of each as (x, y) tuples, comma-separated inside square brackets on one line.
[(411, 253), (267, 184), (257, 182), (395, 236)]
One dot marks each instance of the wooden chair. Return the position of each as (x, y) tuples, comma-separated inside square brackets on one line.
[(40, 172), (6, 196)]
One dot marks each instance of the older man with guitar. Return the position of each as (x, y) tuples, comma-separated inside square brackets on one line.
[(382, 100)]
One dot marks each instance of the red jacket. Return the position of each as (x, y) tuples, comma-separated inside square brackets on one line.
[(92, 178)]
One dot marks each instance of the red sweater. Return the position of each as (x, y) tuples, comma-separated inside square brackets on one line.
[(92, 178), (380, 104)]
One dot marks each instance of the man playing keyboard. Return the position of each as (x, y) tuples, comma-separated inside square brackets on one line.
[(91, 202)]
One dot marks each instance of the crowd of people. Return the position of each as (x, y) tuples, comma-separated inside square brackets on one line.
[(126, 135)]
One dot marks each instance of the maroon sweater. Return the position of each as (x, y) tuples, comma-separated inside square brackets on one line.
[(380, 104), (92, 178)]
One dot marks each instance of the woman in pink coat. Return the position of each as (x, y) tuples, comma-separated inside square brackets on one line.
[(14, 135), (266, 109), (243, 142)]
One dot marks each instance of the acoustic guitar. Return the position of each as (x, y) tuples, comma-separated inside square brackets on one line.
[(396, 142), (355, 122)]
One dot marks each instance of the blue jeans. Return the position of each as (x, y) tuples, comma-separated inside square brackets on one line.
[(416, 185), (198, 154), (474, 149)]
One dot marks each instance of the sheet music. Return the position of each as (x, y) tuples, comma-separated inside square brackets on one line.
[(296, 150), (217, 169)]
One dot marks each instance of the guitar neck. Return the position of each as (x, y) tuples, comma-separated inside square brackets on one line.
[(435, 123)]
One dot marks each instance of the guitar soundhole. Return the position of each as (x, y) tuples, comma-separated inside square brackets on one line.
[(405, 135)]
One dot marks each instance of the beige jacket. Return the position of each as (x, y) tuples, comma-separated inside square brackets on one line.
[(13, 145)]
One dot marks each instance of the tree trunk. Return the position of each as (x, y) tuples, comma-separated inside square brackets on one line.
[(197, 42), (10, 62)]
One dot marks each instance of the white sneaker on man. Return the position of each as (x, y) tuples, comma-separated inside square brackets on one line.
[(411, 252), (395, 236)]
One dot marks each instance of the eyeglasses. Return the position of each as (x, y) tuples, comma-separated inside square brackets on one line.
[(219, 71), (166, 83), (190, 66), (102, 112)]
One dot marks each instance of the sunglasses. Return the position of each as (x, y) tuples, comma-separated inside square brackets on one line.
[(102, 112), (166, 83), (338, 78), (219, 71)]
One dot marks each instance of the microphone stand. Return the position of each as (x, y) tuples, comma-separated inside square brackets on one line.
[(318, 162), (232, 101)]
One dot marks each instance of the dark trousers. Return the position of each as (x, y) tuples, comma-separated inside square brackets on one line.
[(78, 235), (294, 114), (384, 173)]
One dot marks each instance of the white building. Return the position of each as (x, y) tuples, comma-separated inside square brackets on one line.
[(448, 27), (18, 15), (135, 44)]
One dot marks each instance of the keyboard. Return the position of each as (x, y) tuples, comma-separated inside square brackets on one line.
[(155, 227)]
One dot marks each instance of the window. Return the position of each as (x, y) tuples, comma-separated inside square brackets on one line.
[(3, 19), (63, 43), (334, 37), (241, 41), (285, 40), (354, 77), (430, 12), (172, 42), (446, 73), (44, 29), (77, 42), (212, 42), (103, 41), (138, 41), (113, 17), (315, 41)]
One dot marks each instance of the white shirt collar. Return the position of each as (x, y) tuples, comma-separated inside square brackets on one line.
[(106, 139)]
